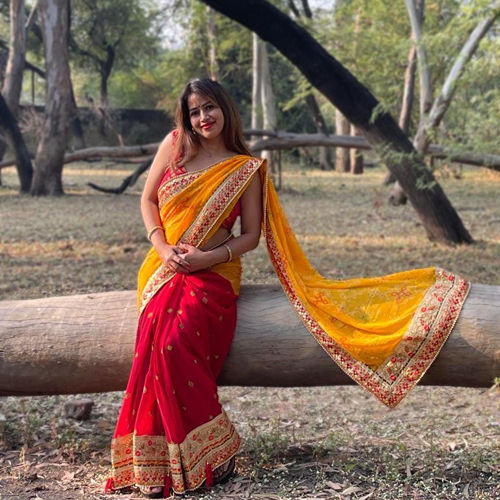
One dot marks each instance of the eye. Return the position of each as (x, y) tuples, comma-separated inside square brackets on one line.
[(209, 106), (193, 113)]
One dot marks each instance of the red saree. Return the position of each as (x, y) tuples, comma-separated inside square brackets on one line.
[(172, 430), (384, 332)]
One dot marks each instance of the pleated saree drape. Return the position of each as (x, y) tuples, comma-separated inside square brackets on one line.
[(384, 332)]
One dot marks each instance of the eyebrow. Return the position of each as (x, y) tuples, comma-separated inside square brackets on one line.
[(201, 106)]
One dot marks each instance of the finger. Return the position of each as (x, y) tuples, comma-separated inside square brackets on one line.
[(183, 262), (183, 248)]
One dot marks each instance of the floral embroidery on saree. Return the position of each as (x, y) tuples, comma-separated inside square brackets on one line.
[(146, 460), (430, 327), (174, 185)]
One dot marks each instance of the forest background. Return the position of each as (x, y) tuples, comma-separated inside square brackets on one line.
[(299, 443)]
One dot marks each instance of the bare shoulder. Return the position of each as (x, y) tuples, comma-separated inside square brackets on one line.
[(167, 143)]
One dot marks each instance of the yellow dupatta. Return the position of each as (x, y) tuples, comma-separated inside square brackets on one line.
[(384, 332)]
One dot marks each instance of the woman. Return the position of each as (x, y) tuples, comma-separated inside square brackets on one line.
[(384, 332), (172, 431)]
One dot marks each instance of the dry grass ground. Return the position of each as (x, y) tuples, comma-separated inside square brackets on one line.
[(298, 443)]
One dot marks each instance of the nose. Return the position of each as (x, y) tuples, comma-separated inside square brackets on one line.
[(204, 114)]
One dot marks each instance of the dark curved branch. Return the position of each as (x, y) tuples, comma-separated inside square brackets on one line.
[(359, 106), (127, 182)]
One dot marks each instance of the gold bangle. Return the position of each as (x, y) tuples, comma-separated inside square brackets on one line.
[(229, 237), (230, 254), (153, 230)]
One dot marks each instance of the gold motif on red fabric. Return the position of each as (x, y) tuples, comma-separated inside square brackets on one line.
[(147, 460)]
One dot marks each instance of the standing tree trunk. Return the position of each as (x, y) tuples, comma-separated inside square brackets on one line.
[(256, 82), (360, 107), (213, 69), (106, 68), (407, 100), (430, 119), (356, 156), (50, 152), (268, 102), (342, 159), (8, 125), (325, 157), (13, 82), (75, 124), (11, 92)]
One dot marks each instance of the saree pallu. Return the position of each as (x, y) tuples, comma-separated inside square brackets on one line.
[(384, 332)]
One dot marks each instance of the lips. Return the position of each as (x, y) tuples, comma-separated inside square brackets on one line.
[(208, 126)]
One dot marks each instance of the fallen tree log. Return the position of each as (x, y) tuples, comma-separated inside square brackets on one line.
[(281, 141), (84, 343)]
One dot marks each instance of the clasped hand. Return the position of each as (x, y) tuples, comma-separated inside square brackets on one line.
[(184, 258)]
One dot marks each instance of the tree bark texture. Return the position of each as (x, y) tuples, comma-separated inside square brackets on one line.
[(213, 67), (342, 158), (10, 128), (408, 91), (325, 157), (416, 15), (360, 107), (13, 81), (407, 100), (49, 158), (11, 91), (84, 343), (356, 157)]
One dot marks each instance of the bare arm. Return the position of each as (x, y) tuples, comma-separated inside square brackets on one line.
[(150, 211), (251, 218)]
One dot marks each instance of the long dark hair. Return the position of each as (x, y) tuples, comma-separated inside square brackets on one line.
[(187, 142)]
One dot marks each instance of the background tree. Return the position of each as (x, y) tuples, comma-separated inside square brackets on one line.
[(439, 218), (433, 111), (325, 160), (109, 33), (11, 92), (54, 16)]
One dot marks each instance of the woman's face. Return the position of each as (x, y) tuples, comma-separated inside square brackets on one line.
[(205, 116)]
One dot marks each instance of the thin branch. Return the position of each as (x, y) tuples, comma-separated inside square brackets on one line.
[(423, 65), (293, 8), (442, 102), (31, 17)]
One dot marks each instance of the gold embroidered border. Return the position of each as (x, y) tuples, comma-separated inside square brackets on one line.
[(175, 185), (159, 278), (428, 316), (229, 190), (430, 327), (146, 460)]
